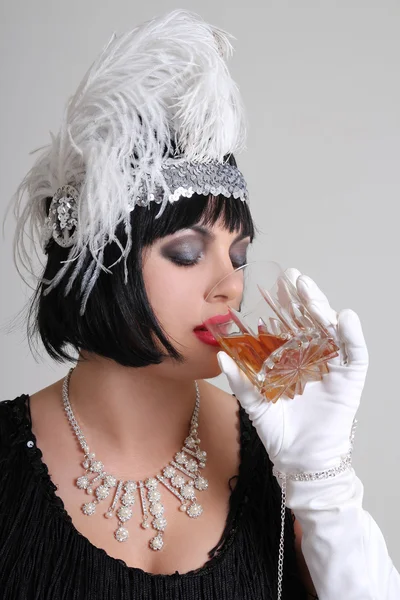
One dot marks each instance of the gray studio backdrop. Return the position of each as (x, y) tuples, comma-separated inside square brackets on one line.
[(320, 82)]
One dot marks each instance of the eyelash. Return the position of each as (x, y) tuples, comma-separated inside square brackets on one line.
[(194, 262)]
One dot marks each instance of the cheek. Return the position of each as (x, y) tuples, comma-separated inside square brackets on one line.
[(174, 294)]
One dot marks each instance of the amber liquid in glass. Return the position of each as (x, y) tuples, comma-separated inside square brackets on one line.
[(294, 367), (251, 350)]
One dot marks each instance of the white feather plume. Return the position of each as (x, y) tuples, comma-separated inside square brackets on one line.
[(165, 81)]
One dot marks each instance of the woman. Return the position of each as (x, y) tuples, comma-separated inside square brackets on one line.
[(140, 209)]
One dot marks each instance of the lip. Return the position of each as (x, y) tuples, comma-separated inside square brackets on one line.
[(206, 337), (203, 333), (215, 320)]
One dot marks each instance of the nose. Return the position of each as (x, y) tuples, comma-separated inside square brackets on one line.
[(227, 287)]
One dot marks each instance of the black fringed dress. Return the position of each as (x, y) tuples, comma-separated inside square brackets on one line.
[(43, 556)]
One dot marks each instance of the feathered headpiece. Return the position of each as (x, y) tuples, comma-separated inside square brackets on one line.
[(153, 120)]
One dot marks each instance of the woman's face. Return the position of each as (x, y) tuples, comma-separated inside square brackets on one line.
[(179, 272)]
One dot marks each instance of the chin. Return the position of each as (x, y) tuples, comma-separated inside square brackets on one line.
[(210, 368), (211, 372), (202, 365)]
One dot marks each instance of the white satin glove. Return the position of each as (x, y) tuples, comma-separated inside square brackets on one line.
[(342, 545)]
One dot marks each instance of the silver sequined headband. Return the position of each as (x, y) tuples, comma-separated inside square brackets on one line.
[(182, 179)]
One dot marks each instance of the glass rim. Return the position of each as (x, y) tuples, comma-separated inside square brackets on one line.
[(242, 267)]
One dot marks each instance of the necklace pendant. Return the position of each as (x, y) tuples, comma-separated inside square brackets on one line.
[(194, 510), (110, 481), (201, 484), (190, 442), (128, 499), (156, 509), (89, 508), (124, 513), (159, 523), (82, 482), (121, 534), (130, 486), (102, 492), (157, 542), (145, 512)]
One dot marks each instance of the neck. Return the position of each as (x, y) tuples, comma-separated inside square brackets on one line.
[(130, 412)]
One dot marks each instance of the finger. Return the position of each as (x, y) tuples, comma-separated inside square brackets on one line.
[(293, 275), (331, 330), (316, 301), (352, 337)]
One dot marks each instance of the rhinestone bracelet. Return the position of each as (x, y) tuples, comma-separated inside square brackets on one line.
[(344, 465)]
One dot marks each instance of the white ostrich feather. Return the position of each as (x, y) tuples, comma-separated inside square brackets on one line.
[(165, 81)]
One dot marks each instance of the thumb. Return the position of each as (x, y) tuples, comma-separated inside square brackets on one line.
[(237, 380), (266, 417), (250, 399)]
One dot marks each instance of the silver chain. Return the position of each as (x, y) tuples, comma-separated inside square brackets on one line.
[(282, 538)]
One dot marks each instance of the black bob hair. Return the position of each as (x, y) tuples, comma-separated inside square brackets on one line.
[(119, 322)]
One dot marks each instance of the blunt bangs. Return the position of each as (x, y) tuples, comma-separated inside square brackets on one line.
[(233, 214)]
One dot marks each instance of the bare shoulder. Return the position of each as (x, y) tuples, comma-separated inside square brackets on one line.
[(48, 422), (46, 402)]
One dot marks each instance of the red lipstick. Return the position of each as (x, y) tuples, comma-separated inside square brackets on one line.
[(204, 335)]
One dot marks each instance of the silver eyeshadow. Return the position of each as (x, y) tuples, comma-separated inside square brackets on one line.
[(189, 247)]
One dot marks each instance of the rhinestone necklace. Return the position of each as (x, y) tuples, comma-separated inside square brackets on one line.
[(99, 483)]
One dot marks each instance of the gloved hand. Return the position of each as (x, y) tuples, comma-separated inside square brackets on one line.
[(310, 432), (343, 547)]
